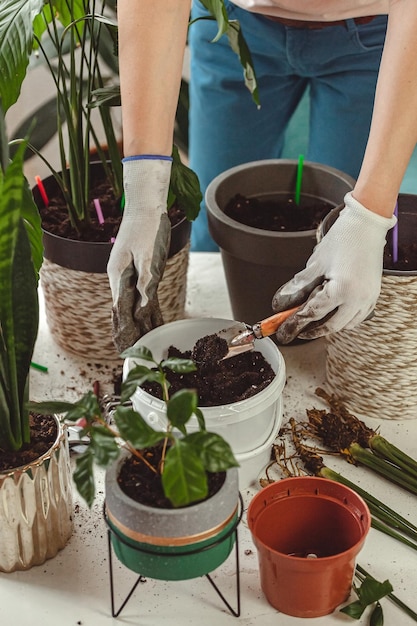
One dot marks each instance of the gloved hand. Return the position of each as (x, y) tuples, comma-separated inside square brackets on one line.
[(139, 254), (342, 279)]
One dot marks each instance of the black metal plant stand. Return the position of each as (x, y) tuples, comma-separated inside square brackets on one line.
[(233, 530)]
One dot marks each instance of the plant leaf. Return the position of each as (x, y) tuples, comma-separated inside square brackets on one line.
[(134, 429), (354, 609), (83, 476), (377, 616), (103, 445), (16, 41), (185, 187), (19, 307), (239, 45), (180, 408), (136, 377), (138, 352), (372, 590), (184, 479), (215, 453), (181, 366)]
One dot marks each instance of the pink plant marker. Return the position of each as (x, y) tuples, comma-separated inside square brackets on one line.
[(99, 212), (395, 237), (42, 191)]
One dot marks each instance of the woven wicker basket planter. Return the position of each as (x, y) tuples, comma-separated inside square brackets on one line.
[(78, 304), (373, 367), (77, 294)]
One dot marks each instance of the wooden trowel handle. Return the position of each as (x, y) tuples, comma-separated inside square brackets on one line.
[(271, 324)]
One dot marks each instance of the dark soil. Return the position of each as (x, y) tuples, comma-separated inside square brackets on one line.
[(406, 258), (217, 381), (55, 217), (43, 433), (145, 486), (279, 213)]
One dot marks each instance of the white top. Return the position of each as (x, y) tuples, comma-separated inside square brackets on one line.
[(316, 10)]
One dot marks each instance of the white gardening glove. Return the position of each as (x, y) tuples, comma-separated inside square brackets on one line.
[(139, 254), (342, 279)]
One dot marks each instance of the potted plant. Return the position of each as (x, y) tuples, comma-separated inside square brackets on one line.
[(237, 403), (35, 486), (258, 260), (166, 496), (67, 35), (381, 386)]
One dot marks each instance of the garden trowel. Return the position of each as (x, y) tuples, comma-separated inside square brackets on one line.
[(241, 337)]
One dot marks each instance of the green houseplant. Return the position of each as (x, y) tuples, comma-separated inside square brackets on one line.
[(30, 531), (191, 515), (68, 34)]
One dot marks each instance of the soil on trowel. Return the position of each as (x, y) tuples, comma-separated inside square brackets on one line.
[(218, 381), (279, 213)]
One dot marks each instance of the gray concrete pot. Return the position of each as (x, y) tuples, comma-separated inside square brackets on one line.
[(257, 262), (172, 544)]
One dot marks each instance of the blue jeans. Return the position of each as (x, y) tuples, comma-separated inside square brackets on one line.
[(337, 64)]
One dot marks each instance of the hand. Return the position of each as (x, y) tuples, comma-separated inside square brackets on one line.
[(342, 279), (139, 254)]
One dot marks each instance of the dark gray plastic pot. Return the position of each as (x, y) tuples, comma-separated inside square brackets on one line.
[(92, 256), (257, 262)]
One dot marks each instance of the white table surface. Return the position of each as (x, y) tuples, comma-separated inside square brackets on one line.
[(73, 588)]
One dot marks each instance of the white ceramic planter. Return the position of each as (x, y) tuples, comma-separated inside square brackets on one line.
[(36, 516), (246, 425)]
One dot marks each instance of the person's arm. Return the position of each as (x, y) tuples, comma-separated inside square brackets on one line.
[(152, 38), (393, 134), (342, 280)]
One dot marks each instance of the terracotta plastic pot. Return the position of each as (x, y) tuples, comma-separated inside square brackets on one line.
[(308, 532), (172, 544), (256, 261)]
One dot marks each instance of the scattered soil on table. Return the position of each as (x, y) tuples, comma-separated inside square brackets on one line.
[(43, 433), (217, 381), (144, 486), (279, 213), (55, 217)]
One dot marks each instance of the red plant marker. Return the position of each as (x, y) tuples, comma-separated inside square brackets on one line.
[(42, 190)]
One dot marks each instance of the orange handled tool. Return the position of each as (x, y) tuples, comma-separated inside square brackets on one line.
[(243, 340), (265, 328)]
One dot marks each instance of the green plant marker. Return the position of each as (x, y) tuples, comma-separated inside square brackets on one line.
[(36, 366), (299, 179)]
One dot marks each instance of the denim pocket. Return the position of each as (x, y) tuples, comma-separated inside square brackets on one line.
[(370, 37)]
